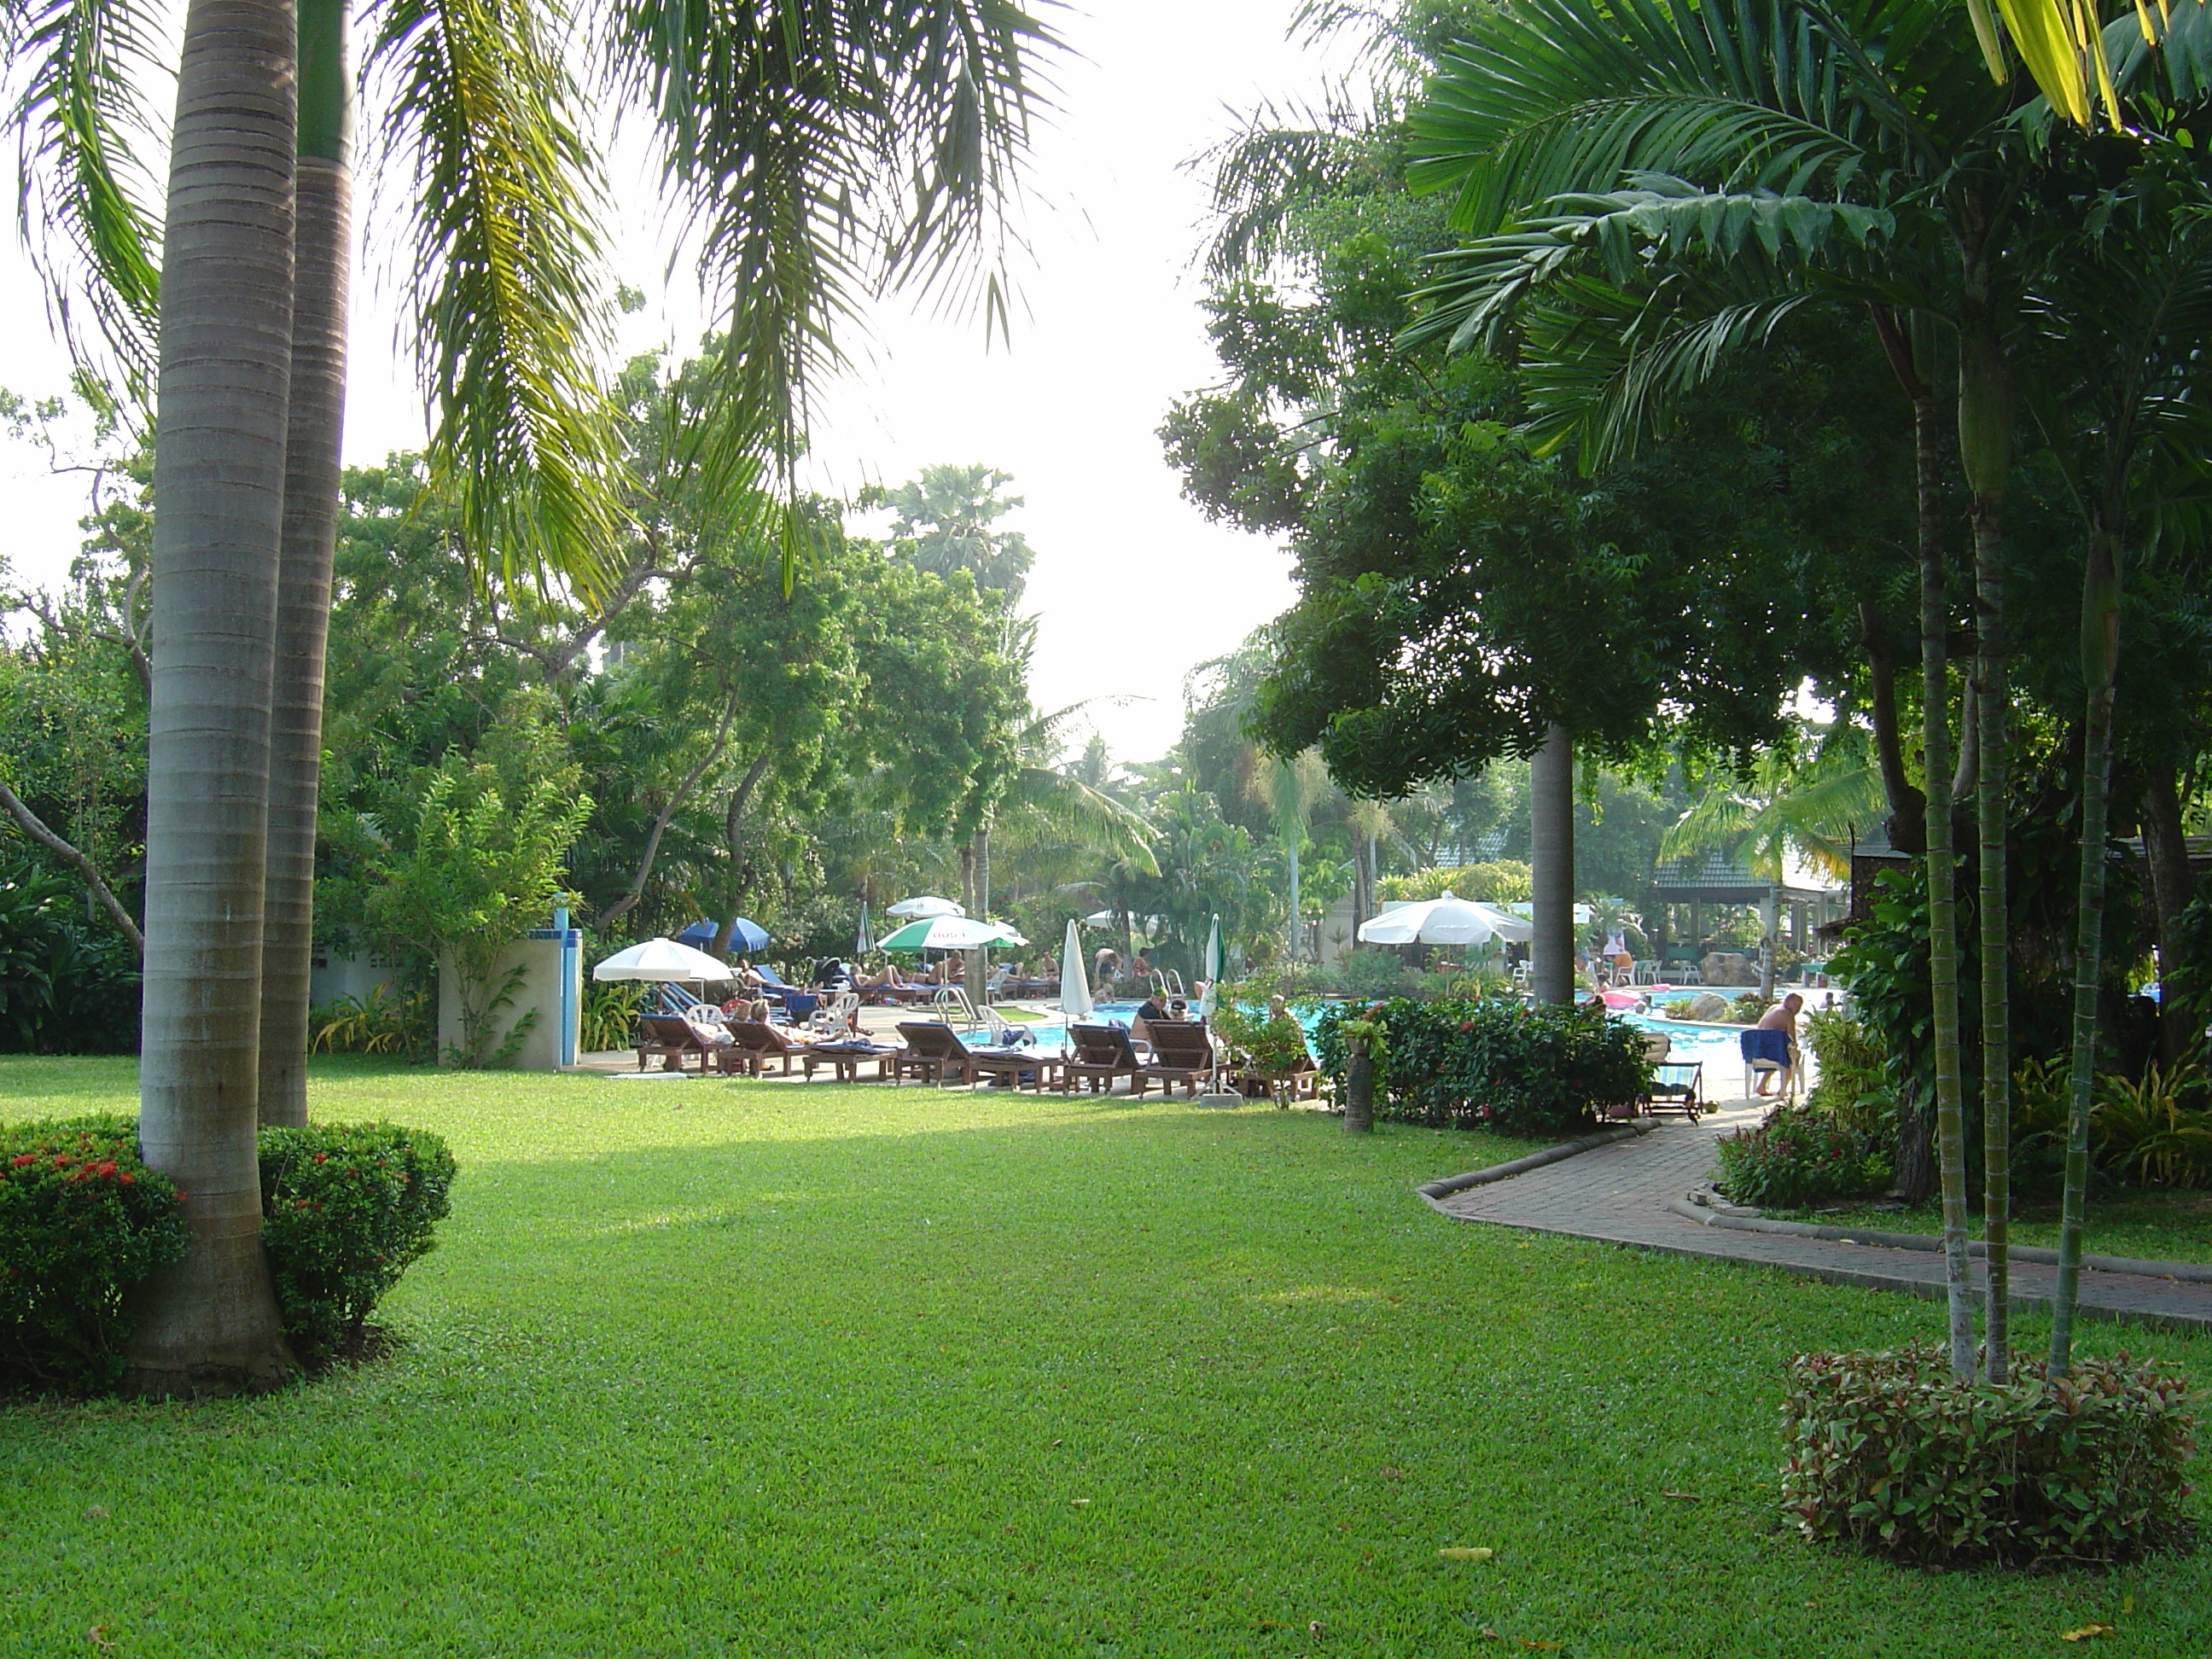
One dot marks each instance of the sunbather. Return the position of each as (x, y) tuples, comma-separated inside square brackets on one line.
[(890, 979)]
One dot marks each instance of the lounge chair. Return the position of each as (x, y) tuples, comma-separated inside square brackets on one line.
[(757, 1043), (1102, 1053), (1182, 1052), (1676, 1085), (673, 1039), (845, 1059), (933, 1053)]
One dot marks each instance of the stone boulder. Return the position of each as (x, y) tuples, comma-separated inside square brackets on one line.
[(1730, 968), (1709, 1008)]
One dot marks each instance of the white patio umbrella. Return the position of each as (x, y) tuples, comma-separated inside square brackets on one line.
[(950, 933), (925, 907), (1446, 920), (663, 959), (1074, 983), (866, 940), (1212, 969)]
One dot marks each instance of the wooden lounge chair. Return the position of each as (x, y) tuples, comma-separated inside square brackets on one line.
[(933, 1053), (672, 1039), (1102, 1053), (757, 1043), (846, 1058), (1182, 1052)]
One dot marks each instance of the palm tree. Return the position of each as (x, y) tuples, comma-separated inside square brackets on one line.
[(819, 146), (1551, 867)]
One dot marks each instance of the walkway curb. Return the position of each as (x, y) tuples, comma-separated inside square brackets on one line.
[(2195, 1272), (1434, 1190)]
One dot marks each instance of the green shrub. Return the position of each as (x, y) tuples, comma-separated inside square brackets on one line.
[(608, 1019), (1797, 1156), (1372, 974), (82, 1220), (1677, 1008), (1854, 1082), (1522, 1069), (1749, 1008), (1890, 1452), (345, 1209), (66, 987), (2148, 1131), (384, 1022)]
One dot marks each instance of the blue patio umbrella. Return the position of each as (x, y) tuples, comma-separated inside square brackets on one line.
[(745, 935)]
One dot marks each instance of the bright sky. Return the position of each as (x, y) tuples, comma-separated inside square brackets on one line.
[(1133, 587)]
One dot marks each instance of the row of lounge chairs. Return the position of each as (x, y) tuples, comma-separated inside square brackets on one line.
[(1179, 1053)]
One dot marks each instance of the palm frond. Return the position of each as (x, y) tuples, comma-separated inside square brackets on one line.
[(1280, 162), (512, 316), (821, 149), (80, 116)]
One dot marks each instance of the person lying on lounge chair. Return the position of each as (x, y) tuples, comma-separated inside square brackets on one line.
[(890, 979)]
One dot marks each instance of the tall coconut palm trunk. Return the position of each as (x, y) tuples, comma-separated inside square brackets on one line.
[(322, 246), (210, 1322), (2101, 662), (1551, 867)]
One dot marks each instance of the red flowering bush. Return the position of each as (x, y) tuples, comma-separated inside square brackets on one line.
[(1799, 1155), (82, 1220), (346, 1208)]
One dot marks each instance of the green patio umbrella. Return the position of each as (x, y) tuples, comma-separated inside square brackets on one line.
[(950, 933)]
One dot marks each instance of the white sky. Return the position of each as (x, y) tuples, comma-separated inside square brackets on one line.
[(1132, 586)]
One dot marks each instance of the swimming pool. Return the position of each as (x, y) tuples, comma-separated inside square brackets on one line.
[(1690, 1041)]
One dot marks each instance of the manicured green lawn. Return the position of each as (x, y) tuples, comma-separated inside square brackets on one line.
[(730, 1367), (2156, 1226)]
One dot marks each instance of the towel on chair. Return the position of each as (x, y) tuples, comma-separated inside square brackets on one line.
[(1764, 1045)]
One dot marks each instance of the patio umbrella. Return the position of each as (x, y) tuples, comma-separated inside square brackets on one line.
[(1074, 985), (745, 936), (1446, 920), (662, 959), (1211, 970), (866, 940), (950, 933), (924, 907)]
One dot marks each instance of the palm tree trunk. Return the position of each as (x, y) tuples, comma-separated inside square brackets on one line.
[(1291, 840), (209, 1323), (1551, 867), (323, 248), (1995, 692), (1985, 455), (2101, 659), (1942, 896), (980, 863)]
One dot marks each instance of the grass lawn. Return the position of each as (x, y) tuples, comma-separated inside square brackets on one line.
[(713, 1368), (2154, 1226)]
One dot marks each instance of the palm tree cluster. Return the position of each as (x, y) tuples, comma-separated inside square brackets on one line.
[(811, 151)]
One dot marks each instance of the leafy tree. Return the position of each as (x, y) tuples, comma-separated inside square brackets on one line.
[(947, 520)]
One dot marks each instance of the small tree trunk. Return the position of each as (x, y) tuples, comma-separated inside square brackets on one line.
[(1551, 867), (1359, 1090), (1993, 687), (1942, 901), (2100, 657), (2166, 849), (1916, 1145)]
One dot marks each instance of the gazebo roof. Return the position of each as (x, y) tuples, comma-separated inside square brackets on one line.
[(1718, 879)]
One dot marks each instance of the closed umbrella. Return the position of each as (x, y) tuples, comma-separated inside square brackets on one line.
[(1074, 985), (924, 907), (950, 933), (662, 959), (746, 936), (1212, 970), (866, 940), (1446, 920)]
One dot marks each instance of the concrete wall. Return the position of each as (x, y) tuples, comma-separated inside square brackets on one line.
[(540, 989), (1336, 939), (338, 975)]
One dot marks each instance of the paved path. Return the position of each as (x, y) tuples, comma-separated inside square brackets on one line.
[(1619, 1193)]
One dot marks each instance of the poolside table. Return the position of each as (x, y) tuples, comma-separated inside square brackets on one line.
[(1011, 1063)]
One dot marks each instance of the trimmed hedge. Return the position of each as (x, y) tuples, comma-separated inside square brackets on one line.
[(82, 1220), (1518, 1068), (1892, 1454), (345, 1209)]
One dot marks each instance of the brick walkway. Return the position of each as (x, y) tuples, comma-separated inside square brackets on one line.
[(1619, 1193)]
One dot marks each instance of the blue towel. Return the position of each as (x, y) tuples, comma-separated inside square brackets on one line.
[(798, 1005), (1765, 1044)]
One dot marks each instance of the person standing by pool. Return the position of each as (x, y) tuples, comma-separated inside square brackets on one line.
[(1104, 966), (1773, 1040)]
